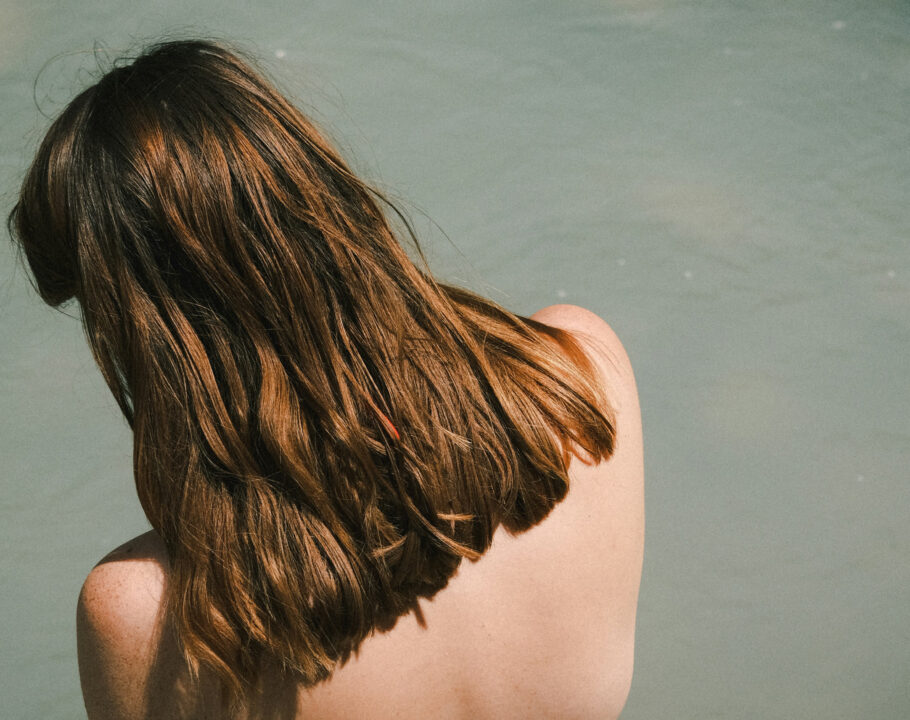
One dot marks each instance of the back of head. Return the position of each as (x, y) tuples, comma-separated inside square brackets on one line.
[(322, 432)]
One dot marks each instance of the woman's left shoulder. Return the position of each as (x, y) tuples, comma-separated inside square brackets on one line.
[(587, 324), (603, 347)]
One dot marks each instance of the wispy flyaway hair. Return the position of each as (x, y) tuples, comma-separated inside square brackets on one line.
[(322, 431)]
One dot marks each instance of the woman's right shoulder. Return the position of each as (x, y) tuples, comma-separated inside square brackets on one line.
[(118, 628), (130, 664)]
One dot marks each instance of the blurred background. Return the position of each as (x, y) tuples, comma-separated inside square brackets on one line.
[(727, 184)]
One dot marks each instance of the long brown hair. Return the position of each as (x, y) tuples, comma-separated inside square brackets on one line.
[(322, 431)]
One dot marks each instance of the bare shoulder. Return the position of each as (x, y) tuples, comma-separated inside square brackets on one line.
[(601, 521), (623, 474), (119, 627), (613, 488), (592, 330), (123, 591), (571, 317), (606, 351)]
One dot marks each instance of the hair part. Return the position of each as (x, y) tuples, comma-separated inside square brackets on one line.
[(322, 431)]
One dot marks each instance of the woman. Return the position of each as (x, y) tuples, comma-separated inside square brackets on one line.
[(323, 433)]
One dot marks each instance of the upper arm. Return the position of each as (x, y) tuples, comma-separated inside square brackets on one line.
[(612, 490), (119, 631)]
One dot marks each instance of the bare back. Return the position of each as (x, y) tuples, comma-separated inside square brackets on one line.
[(541, 626)]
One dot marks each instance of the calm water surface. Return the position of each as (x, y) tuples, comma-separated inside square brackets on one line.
[(729, 187)]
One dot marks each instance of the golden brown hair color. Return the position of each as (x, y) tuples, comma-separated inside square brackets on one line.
[(322, 431)]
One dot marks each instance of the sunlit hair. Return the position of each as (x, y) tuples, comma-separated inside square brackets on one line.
[(322, 431)]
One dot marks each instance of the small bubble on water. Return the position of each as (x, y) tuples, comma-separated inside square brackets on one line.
[(860, 478), (728, 51), (838, 25), (687, 274), (891, 273), (620, 261), (280, 53), (738, 102), (561, 293)]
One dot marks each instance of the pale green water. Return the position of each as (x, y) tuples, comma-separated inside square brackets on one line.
[(727, 186)]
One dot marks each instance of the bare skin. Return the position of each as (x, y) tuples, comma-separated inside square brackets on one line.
[(542, 626)]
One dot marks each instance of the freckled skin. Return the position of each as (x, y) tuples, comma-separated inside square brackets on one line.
[(542, 626)]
